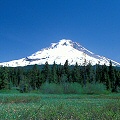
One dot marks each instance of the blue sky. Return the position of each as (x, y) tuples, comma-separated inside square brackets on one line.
[(27, 26)]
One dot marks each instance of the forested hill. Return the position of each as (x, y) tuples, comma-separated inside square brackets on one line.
[(32, 77)]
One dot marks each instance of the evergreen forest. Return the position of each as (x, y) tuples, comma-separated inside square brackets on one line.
[(26, 79)]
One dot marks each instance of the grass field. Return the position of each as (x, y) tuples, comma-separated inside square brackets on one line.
[(32, 106)]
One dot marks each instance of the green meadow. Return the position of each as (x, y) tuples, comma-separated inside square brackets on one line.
[(36, 106)]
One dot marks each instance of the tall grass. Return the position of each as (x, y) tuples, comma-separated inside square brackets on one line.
[(19, 98), (61, 107)]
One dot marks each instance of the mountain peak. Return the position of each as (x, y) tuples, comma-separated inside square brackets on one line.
[(63, 42), (59, 52)]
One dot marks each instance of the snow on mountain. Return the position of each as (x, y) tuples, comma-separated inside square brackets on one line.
[(60, 52)]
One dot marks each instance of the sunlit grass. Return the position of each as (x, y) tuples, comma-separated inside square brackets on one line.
[(59, 107)]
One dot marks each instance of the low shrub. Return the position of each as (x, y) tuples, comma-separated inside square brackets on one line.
[(51, 88), (72, 88), (65, 88), (94, 88)]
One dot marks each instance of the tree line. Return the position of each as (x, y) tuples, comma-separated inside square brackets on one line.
[(25, 79)]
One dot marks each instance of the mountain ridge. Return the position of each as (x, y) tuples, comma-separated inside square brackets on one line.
[(60, 52)]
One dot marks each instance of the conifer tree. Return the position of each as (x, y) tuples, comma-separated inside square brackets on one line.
[(13, 77), (20, 75), (105, 77), (112, 76), (76, 74), (84, 73), (90, 73), (1, 84), (67, 70), (35, 74), (54, 73), (4, 81), (46, 73), (98, 73), (60, 71), (117, 82), (66, 67)]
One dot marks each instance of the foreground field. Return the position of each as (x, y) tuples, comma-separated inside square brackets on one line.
[(59, 107)]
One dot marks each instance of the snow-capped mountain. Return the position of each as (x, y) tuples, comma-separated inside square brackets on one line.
[(60, 52)]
